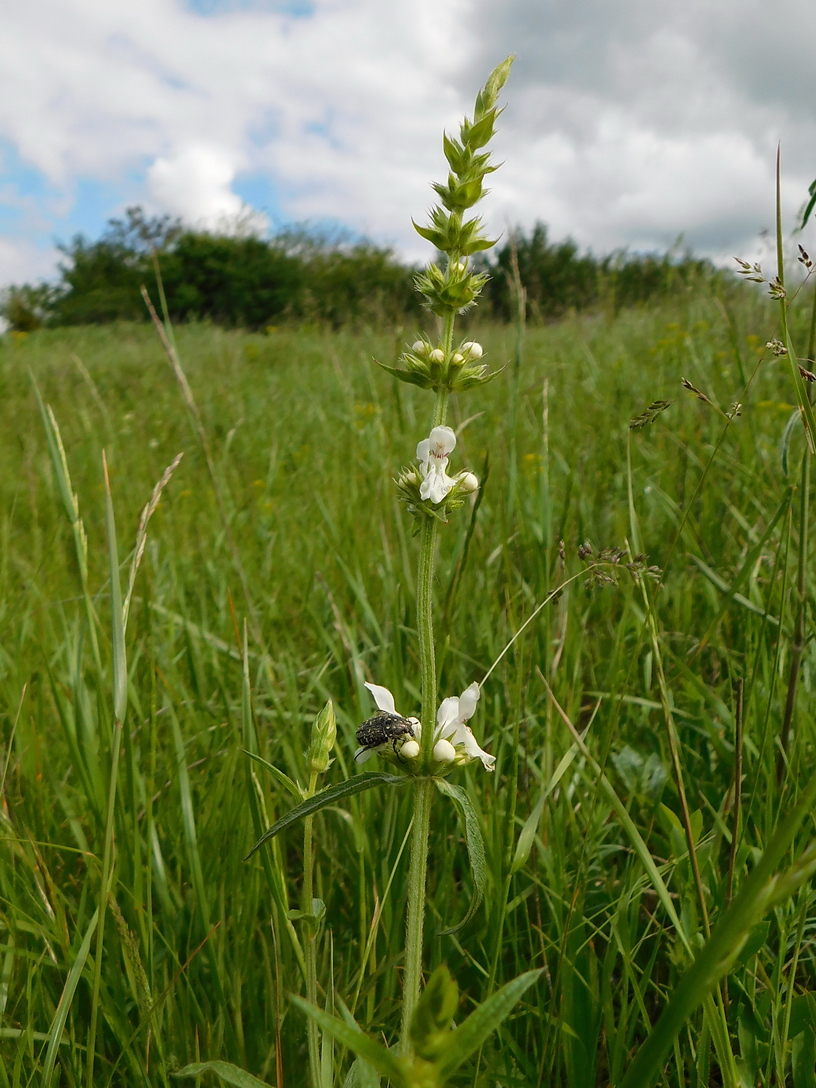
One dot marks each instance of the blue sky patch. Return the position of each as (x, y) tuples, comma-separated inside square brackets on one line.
[(296, 9)]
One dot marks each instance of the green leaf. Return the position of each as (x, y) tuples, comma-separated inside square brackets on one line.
[(412, 377), (475, 847), (328, 796), (361, 1075), (527, 837), (356, 1040), (279, 776), (117, 615), (804, 1060), (465, 381), (431, 235), (225, 1071), (784, 442), (724, 587), (483, 1021), (66, 997), (810, 205)]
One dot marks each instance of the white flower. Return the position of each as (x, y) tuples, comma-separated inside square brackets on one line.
[(472, 349), (419, 347), (453, 740), (451, 718), (432, 454), (437, 356)]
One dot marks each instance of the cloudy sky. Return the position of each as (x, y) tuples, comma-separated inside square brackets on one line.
[(628, 122)]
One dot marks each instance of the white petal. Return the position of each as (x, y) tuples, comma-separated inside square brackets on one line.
[(423, 449), (447, 716), (382, 697), (468, 701), (362, 755), (475, 752), (444, 439), (437, 486)]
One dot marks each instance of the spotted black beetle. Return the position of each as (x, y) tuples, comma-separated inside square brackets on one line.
[(383, 727)]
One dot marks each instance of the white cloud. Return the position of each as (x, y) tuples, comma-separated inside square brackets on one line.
[(23, 261), (195, 184), (626, 123)]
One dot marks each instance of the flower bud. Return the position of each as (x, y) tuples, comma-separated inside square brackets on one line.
[(457, 360), (409, 750), (472, 350), (324, 734), (458, 266), (444, 752), (437, 356), (468, 483), (419, 347)]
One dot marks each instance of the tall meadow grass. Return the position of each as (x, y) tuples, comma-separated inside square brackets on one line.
[(283, 574)]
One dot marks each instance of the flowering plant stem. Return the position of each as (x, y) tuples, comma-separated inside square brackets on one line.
[(310, 943), (423, 786)]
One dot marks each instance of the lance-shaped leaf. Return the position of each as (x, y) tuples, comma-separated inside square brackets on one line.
[(483, 1021), (64, 1006), (325, 797), (412, 377), (280, 777), (811, 204), (475, 847), (225, 1071), (527, 836), (383, 1060)]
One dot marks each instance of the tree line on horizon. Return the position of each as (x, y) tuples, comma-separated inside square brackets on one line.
[(302, 275)]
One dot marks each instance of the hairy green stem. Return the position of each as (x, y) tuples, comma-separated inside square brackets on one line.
[(797, 647), (423, 788), (423, 798), (310, 943), (427, 657)]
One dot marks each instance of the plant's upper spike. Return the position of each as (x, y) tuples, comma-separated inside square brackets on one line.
[(486, 98)]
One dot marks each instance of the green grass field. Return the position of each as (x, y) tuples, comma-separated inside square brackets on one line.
[(304, 541)]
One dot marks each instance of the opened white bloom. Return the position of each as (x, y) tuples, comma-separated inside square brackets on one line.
[(454, 740), (432, 454), (451, 718)]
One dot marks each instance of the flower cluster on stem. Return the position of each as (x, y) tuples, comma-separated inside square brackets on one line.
[(440, 739)]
